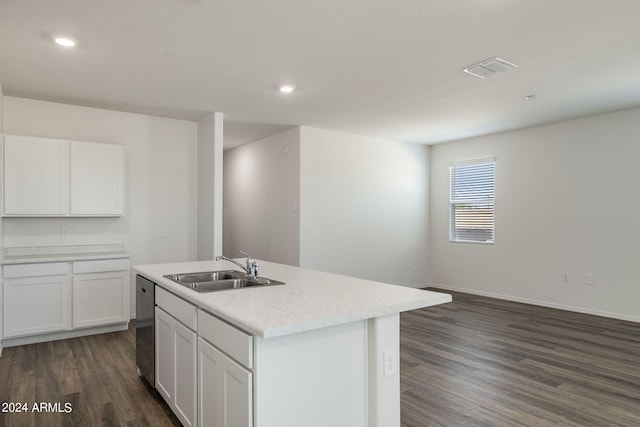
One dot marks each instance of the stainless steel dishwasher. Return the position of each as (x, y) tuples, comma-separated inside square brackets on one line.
[(145, 334)]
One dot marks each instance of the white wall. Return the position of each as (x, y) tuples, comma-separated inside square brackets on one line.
[(261, 198), (364, 206), (566, 201), (210, 186), (161, 178), (1, 204), (1, 186)]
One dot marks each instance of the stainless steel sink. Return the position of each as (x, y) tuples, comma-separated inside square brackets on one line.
[(207, 276), (211, 281)]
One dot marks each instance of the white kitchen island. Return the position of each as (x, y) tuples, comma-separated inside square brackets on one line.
[(320, 350)]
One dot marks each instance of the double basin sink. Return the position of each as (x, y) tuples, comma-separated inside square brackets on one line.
[(211, 281)]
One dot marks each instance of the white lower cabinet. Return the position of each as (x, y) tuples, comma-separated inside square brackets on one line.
[(165, 358), (225, 389), (100, 292), (100, 298), (176, 358), (35, 305), (203, 365), (40, 299), (185, 386)]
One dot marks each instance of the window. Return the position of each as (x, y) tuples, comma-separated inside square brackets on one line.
[(471, 201)]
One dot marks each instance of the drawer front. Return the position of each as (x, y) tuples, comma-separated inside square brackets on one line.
[(34, 270), (180, 309), (227, 338), (99, 266)]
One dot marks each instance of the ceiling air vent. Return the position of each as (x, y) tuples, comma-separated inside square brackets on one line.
[(489, 67)]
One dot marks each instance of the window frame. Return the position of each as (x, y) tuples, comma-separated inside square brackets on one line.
[(454, 236)]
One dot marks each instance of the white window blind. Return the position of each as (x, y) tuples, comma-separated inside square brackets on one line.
[(472, 198)]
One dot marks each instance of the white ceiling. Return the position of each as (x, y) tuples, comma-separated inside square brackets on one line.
[(386, 68)]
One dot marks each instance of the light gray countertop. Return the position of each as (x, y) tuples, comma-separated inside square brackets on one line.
[(36, 254), (309, 300), (27, 259)]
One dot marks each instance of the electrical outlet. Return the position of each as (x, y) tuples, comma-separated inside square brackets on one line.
[(565, 277), (390, 362)]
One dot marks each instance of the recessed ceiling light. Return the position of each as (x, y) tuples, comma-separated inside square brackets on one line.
[(287, 88), (65, 41)]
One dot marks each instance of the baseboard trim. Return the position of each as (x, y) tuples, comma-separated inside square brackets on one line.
[(33, 339), (418, 286), (618, 316)]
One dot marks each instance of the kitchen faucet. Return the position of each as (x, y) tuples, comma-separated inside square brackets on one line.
[(252, 269)]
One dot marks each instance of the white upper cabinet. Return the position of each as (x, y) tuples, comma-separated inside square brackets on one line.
[(51, 177), (97, 172), (36, 176)]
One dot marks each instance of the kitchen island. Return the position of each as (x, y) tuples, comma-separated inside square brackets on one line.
[(320, 350)]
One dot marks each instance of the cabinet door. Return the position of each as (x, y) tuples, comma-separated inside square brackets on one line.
[(237, 389), (97, 179), (176, 367), (165, 359), (226, 388), (100, 298), (35, 305), (209, 380), (36, 178), (185, 374)]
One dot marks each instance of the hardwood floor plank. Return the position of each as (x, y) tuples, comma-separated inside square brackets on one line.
[(474, 362), (22, 387), (8, 360), (96, 375), (483, 361)]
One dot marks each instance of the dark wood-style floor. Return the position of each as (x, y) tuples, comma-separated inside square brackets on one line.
[(476, 361), (95, 374), (483, 361)]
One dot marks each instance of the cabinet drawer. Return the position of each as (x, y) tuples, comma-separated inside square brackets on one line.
[(34, 270), (227, 338), (180, 309), (99, 266)]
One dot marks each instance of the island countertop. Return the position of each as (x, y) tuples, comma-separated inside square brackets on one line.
[(309, 299)]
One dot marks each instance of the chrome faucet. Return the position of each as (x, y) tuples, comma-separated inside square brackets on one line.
[(252, 268)]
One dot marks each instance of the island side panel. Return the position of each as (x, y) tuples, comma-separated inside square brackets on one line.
[(384, 371), (314, 379)]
